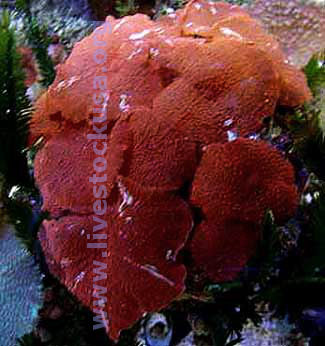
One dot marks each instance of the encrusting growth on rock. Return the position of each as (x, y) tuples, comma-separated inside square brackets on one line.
[(175, 91), (298, 25)]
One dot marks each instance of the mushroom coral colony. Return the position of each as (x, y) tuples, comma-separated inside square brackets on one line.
[(148, 150)]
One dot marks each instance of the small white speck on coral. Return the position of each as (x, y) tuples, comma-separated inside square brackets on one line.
[(232, 136), (124, 107), (154, 51), (127, 198), (79, 277), (228, 122), (254, 136)]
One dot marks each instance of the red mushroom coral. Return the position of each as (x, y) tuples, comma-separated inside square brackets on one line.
[(164, 100), (139, 268), (235, 184), (62, 164)]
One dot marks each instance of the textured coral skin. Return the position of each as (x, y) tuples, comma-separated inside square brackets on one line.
[(175, 88), (174, 85), (140, 275), (61, 165), (236, 208)]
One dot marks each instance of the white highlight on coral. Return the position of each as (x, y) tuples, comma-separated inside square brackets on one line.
[(127, 198), (228, 122), (150, 269), (66, 84), (79, 277), (124, 106), (60, 86), (71, 81), (200, 28), (106, 99), (139, 35), (138, 43), (254, 136), (133, 54), (197, 6), (159, 30), (154, 51), (229, 32), (154, 271), (128, 219), (170, 255), (119, 24), (232, 136), (65, 262)]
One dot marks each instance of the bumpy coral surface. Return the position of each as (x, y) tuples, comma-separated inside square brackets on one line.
[(233, 196), (173, 92), (142, 243)]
